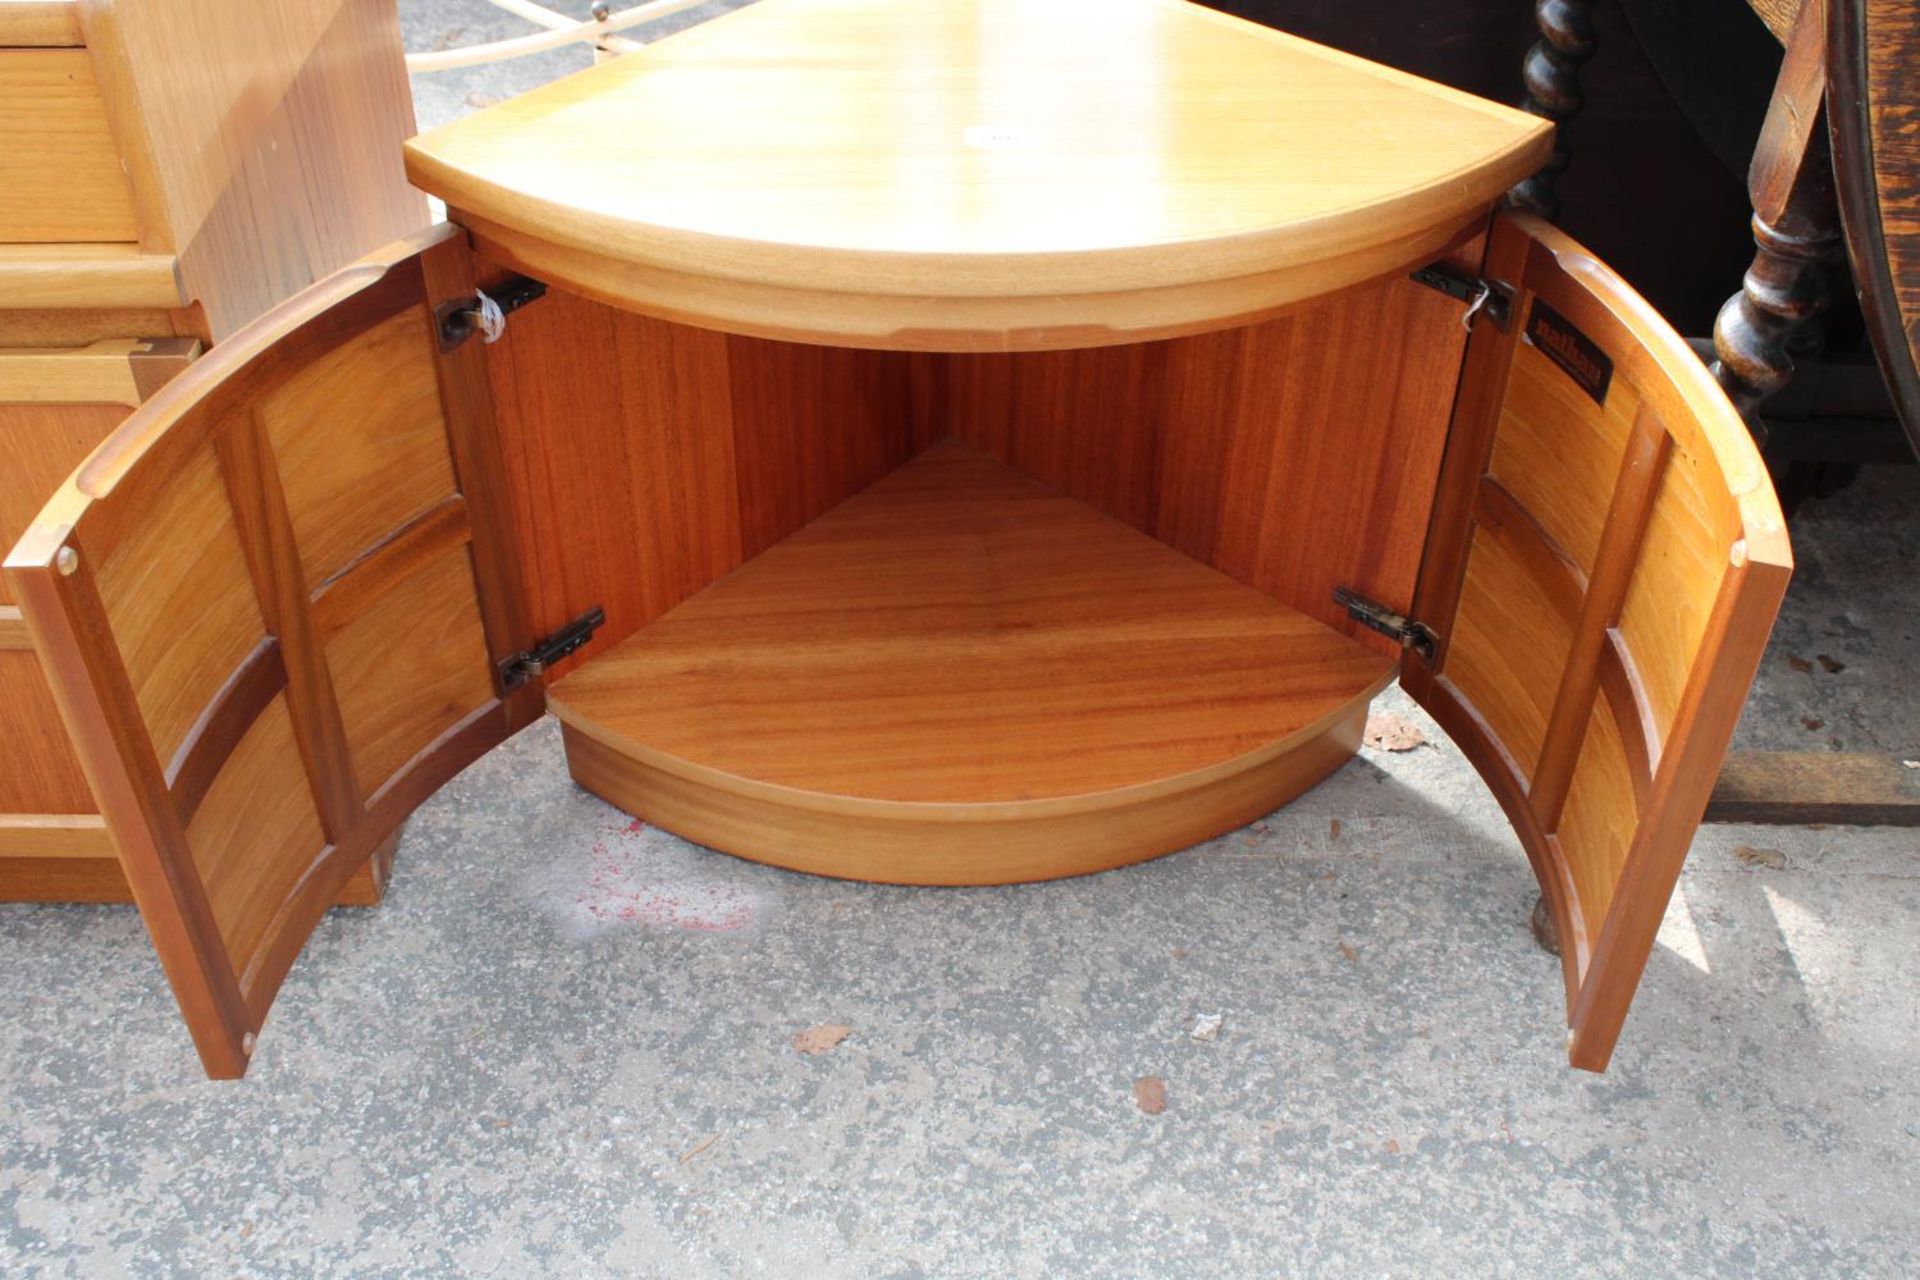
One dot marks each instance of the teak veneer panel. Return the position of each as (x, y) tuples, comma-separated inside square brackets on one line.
[(975, 174), (1605, 561), (262, 144), (983, 675), (94, 276), (684, 452), (1297, 455), (60, 174), (249, 764), (39, 24)]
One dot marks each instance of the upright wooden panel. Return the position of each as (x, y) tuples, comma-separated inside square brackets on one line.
[(646, 459), (266, 668), (60, 175), (173, 579), (46, 24), (1605, 561), (1295, 455), (40, 445), (812, 426), (38, 772), (383, 459), (263, 144), (1873, 112)]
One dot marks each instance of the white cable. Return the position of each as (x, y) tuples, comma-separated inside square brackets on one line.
[(540, 15), (474, 55), (493, 321)]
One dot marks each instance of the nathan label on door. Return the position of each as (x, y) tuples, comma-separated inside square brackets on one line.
[(1575, 353)]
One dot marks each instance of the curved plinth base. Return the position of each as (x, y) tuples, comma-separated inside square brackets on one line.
[(961, 676), (854, 838)]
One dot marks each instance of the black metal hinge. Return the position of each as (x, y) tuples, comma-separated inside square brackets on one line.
[(485, 312), (1373, 615), (1488, 298), (531, 663)]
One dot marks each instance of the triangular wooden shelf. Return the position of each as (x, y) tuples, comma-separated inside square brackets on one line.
[(963, 676)]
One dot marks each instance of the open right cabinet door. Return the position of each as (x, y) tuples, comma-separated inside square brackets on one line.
[(1604, 565)]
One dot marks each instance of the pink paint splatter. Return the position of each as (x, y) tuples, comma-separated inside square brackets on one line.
[(618, 889)]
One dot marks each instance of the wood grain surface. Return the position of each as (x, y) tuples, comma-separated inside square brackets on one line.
[(60, 176), (974, 174), (263, 148), (1606, 559), (1296, 455), (249, 762), (960, 646), (39, 277), (1874, 117), (47, 24), (684, 452)]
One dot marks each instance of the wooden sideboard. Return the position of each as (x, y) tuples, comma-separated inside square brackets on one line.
[(939, 442), (170, 170)]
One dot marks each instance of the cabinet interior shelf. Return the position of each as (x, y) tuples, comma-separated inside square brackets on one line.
[(961, 676)]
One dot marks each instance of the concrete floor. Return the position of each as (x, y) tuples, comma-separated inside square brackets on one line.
[(564, 1044)]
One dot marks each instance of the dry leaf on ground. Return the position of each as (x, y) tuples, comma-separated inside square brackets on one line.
[(698, 1147), (1389, 732), (821, 1038), (1756, 857), (1151, 1093)]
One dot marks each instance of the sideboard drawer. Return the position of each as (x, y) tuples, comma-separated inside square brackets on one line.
[(56, 405), (61, 179)]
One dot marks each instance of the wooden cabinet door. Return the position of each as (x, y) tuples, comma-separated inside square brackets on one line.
[(272, 608), (1605, 562)]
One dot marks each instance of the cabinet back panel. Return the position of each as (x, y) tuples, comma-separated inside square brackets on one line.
[(646, 458), (1295, 455)]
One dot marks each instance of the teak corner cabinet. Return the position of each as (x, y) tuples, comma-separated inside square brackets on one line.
[(955, 442)]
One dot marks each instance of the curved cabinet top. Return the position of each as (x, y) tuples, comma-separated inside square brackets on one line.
[(975, 174)]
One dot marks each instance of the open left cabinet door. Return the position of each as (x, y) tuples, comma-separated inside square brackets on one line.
[(272, 609), (1605, 562)]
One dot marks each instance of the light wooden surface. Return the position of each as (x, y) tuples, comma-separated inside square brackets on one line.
[(974, 174), (118, 371), (60, 176), (1243, 448), (47, 24), (43, 792), (248, 763), (988, 680), (79, 327), (38, 277), (263, 146), (687, 451), (1604, 568)]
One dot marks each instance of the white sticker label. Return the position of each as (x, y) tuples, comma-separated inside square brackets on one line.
[(999, 137)]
